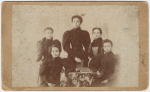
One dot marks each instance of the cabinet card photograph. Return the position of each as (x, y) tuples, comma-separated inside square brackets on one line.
[(74, 46)]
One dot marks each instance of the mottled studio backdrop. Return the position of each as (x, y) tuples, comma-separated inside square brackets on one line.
[(118, 23)]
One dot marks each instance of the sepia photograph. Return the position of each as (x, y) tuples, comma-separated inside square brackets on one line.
[(74, 45)]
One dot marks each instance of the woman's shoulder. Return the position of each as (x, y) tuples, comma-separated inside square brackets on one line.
[(100, 40), (39, 43), (85, 32), (66, 33), (112, 56)]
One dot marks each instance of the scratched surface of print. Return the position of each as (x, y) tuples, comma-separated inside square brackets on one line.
[(75, 46)]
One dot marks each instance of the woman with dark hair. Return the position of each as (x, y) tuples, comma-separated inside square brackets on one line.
[(75, 40)]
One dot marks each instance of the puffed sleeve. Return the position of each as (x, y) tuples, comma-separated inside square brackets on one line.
[(86, 40), (67, 48), (66, 41), (40, 50)]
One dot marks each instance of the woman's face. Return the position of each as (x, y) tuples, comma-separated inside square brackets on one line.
[(48, 34), (55, 52), (107, 47), (96, 34), (76, 23)]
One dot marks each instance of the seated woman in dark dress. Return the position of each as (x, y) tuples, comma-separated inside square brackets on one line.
[(52, 66), (74, 40), (107, 67)]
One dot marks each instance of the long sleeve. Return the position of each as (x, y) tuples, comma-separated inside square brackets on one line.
[(108, 66), (95, 63), (90, 51), (66, 42), (66, 45), (86, 41), (40, 51), (107, 69)]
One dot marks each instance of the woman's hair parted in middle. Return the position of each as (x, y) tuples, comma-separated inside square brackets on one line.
[(100, 30), (49, 28)]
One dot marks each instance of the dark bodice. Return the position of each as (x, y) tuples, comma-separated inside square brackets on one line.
[(107, 63), (74, 41)]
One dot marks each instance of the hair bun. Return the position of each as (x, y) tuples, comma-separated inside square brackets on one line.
[(56, 43)]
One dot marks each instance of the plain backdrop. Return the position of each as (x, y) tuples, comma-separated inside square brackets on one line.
[(119, 23)]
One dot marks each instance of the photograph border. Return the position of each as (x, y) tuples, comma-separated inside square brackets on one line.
[(7, 46)]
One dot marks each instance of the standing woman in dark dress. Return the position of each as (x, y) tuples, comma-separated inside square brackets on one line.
[(74, 40), (42, 50), (44, 44)]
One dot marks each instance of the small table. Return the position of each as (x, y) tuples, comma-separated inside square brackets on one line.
[(82, 77)]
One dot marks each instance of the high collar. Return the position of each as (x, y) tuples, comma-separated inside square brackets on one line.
[(77, 29), (53, 60), (44, 39), (108, 53), (56, 60)]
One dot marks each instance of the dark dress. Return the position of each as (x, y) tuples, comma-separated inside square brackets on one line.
[(50, 71), (73, 43), (95, 55)]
